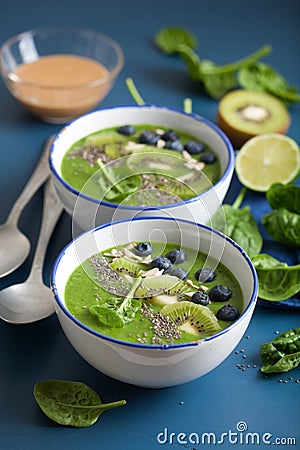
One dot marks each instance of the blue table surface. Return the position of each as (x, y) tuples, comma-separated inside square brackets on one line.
[(228, 399)]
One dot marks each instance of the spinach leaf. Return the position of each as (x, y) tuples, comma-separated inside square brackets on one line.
[(169, 39), (240, 225), (283, 226), (262, 77), (277, 280), (116, 183), (282, 354), (284, 195), (116, 312), (71, 403), (216, 79)]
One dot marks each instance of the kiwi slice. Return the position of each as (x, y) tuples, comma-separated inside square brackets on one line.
[(125, 266), (163, 284), (243, 114), (162, 162), (192, 318), (177, 187)]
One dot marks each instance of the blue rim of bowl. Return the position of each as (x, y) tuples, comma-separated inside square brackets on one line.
[(228, 170), (248, 308)]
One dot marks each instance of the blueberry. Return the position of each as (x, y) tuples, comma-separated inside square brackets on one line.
[(174, 145), (148, 137), (194, 147), (205, 275), (201, 298), (143, 249), (228, 312), (127, 130), (161, 263), (170, 135), (208, 158), (177, 256), (178, 272), (220, 293)]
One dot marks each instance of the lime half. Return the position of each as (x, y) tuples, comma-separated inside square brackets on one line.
[(267, 159)]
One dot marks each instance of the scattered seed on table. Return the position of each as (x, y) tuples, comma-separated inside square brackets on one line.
[(277, 332), (247, 337), (244, 356)]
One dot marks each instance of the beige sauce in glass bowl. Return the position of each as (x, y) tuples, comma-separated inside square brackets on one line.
[(57, 88)]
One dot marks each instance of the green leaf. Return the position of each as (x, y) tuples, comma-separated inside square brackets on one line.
[(281, 195), (262, 77), (107, 313), (283, 226), (71, 403), (192, 61), (116, 183), (277, 280), (264, 261), (116, 312), (282, 354), (240, 225), (169, 39), (217, 85)]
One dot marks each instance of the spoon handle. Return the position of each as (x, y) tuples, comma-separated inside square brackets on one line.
[(52, 209), (38, 177)]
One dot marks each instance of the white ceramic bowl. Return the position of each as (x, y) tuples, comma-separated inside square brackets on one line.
[(146, 365), (89, 212)]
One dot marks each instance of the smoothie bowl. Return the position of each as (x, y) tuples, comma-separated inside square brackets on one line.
[(125, 161), (154, 302)]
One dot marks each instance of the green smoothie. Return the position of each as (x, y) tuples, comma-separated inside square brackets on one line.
[(151, 166), (96, 290)]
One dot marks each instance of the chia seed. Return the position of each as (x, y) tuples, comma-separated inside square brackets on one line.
[(109, 279), (162, 327), (90, 154)]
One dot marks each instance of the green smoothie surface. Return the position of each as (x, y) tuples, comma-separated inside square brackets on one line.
[(88, 287), (119, 168)]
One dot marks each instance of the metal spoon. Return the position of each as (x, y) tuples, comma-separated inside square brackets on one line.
[(14, 245), (32, 301)]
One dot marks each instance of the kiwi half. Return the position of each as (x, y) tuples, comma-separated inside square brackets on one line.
[(243, 114), (192, 318)]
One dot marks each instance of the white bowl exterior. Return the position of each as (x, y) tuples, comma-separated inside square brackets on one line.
[(145, 365), (88, 213), (152, 368)]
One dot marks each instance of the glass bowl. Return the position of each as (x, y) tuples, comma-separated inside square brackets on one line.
[(60, 73)]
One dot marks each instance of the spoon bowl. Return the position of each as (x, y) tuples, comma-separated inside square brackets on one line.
[(17, 305), (14, 245), (31, 300), (14, 248)]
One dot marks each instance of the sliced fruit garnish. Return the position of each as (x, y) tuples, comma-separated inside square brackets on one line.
[(192, 318), (267, 159), (163, 284)]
